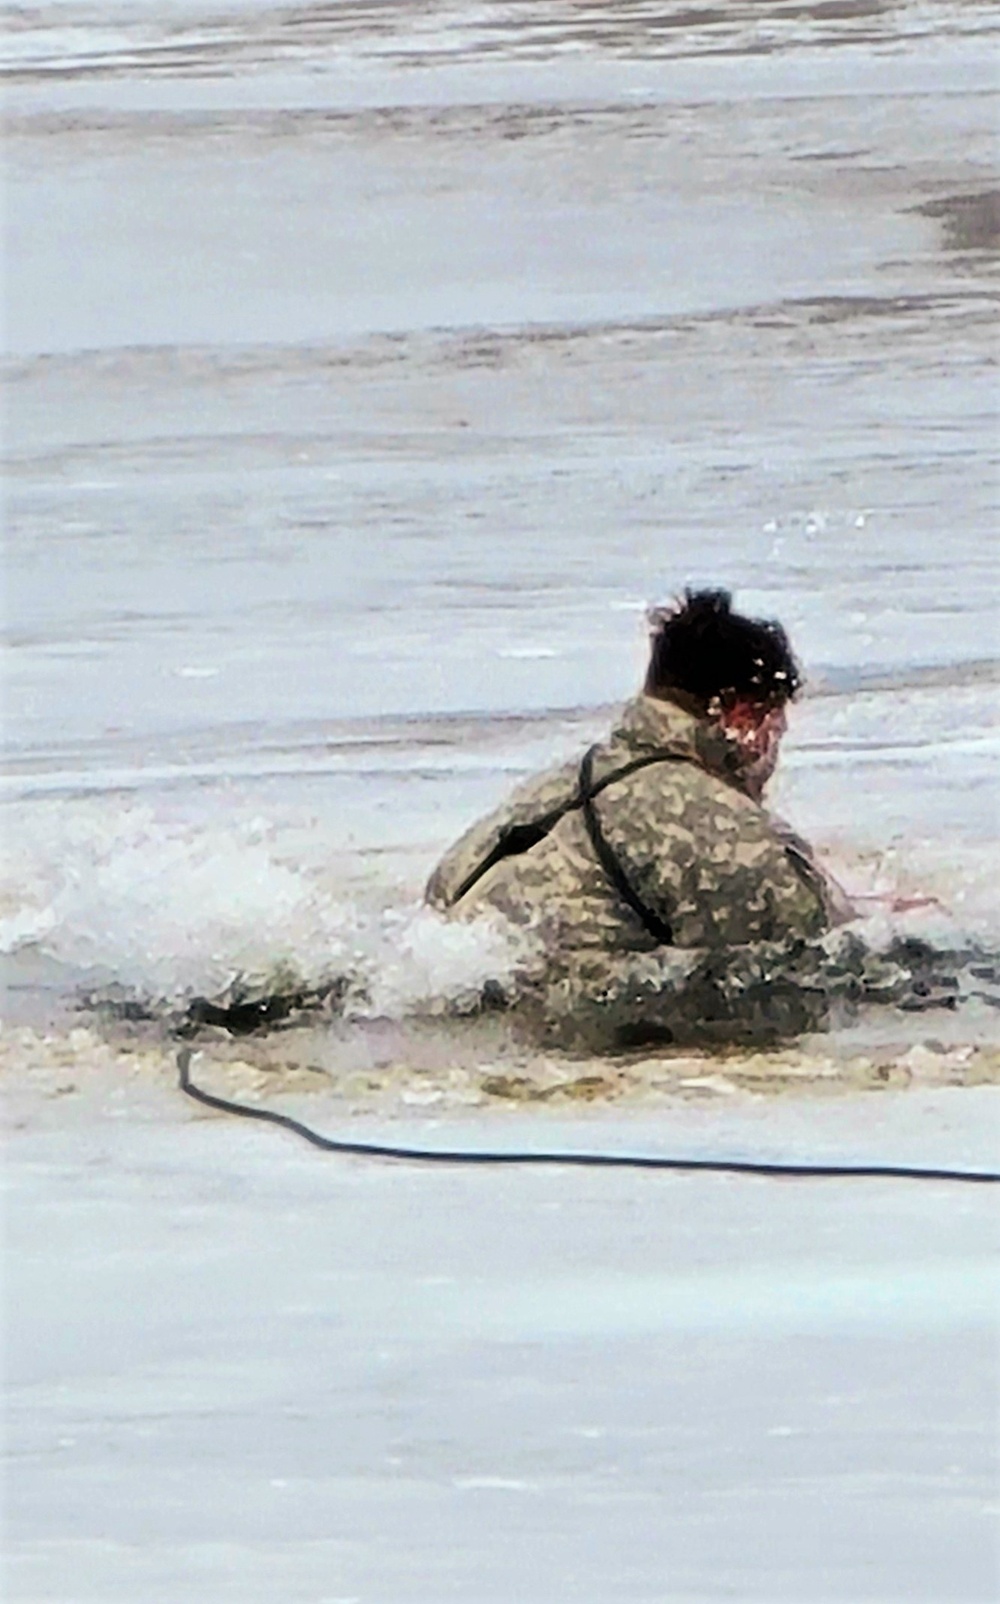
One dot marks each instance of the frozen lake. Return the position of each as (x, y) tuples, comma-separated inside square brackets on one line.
[(240, 1370), (405, 354), (370, 368)]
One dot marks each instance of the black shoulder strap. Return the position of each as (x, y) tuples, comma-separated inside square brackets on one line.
[(518, 838), (658, 929)]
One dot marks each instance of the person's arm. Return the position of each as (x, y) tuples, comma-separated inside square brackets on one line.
[(843, 906), (891, 902), (838, 905)]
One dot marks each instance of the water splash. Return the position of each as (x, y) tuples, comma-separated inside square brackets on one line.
[(165, 909), (424, 963), (162, 907)]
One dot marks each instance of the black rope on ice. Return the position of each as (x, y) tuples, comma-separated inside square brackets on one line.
[(632, 1161)]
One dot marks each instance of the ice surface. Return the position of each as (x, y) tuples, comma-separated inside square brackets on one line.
[(373, 366), (240, 1370), (343, 464)]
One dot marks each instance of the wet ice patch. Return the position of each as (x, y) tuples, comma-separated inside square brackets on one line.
[(528, 651), (783, 1300)]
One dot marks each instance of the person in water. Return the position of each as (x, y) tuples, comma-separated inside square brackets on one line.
[(657, 847), (660, 835), (664, 901)]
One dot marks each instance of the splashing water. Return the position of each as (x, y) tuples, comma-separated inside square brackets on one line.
[(424, 963), (163, 908), (166, 910)]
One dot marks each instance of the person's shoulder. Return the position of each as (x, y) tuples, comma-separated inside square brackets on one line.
[(537, 801), (678, 784), (674, 800)]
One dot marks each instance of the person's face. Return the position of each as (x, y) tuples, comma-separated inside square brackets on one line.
[(757, 732), (772, 727)]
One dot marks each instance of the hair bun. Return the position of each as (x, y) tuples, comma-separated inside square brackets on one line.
[(701, 647), (708, 603)]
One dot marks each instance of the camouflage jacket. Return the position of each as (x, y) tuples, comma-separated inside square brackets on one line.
[(697, 851)]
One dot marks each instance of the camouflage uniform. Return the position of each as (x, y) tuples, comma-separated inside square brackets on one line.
[(698, 852)]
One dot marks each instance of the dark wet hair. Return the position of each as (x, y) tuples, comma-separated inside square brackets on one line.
[(701, 648)]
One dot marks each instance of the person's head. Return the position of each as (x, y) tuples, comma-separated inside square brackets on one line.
[(737, 672)]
